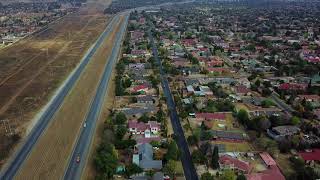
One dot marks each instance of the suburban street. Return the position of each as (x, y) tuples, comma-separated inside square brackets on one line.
[(22, 153), (188, 166), (285, 107), (74, 170)]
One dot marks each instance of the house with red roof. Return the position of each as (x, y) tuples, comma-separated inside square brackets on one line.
[(229, 162), (137, 35), (214, 63), (241, 90), (219, 70), (149, 129), (210, 116), (272, 173), (189, 42), (311, 155), (292, 86), (267, 159), (142, 88)]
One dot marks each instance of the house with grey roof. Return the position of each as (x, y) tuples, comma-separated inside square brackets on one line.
[(280, 132), (158, 176), (147, 99), (144, 158), (138, 111)]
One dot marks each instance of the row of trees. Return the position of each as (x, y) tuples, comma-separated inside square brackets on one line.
[(106, 157)]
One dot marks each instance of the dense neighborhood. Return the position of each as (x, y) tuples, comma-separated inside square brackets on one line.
[(18, 20), (245, 84)]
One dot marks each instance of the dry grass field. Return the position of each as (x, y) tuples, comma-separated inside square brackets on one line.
[(50, 156), (31, 69)]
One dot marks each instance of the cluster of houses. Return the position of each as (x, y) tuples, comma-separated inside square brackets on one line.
[(235, 162), (21, 19), (141, 103), (216, 66)]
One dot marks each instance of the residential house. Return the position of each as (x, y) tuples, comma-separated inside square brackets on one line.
[(199, 90), (147, 99), (241, 90), (192, 82), (229, 162), (228, 135), (311, 156), (142, 88), (217, 70), (224, 81), (272, 111), (138, 111), (149, 129), (273, 172), (144, 158), (136, 66), (292, 87), (244, 81), (280, 132), (210, 116)]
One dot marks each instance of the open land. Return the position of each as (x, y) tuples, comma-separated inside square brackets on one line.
[(34, 67), (56, 143)]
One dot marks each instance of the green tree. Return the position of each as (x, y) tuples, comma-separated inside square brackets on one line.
[(160, 115), (243, 116), (132, 169), (106, 160), (198, 157), (215, 158), (173, 152), (228, 175), (241, 177), (127, 82), (120, 118), (155, 144), (257, 83), (124, 144), (206, 176), (193, 140), (120, 132), (144, 118), (267, 103), (170, 168), (154, 81), (295, 120), (269, 145)]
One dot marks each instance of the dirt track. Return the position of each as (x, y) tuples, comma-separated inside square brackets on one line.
[(49, 157), (31, 69)]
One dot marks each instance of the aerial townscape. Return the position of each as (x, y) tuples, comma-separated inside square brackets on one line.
[(160, 90)]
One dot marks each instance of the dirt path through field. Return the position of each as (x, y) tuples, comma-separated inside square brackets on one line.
[(49, 157)]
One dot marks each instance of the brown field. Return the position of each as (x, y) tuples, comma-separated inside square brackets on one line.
[(32, 68), (50, 155)]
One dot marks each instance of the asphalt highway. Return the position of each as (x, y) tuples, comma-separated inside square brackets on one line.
[(84, 141), (188, 166), (22, 153)]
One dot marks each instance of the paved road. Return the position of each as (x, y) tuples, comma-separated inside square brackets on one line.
[(285, 107), (84, 141), (188, 166), (15, 163)]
